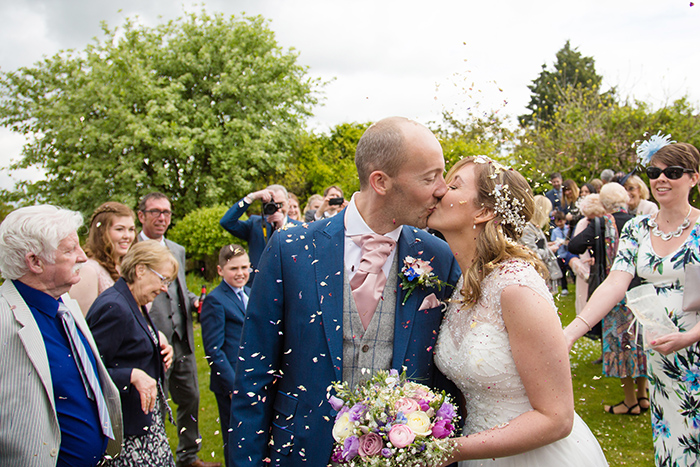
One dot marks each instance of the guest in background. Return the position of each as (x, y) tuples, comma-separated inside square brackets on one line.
[(331, 204), (257, 230), (638, 192), (591, 207), (312, 204), (597, 184), (659, 248), (560, 240), (556, 194), (223, 314), (535, 239), (59, 405), (112, 231), (294, 212), (606, 176), (571, 198), (622, 357), (135, 353), (586, 189), (172, 314)]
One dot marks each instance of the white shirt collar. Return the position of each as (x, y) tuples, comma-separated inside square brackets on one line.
[(143, 237)]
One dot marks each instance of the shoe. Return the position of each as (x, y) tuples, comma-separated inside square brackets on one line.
[(564, 293), (611, 409), (201, 463), (639, 400)]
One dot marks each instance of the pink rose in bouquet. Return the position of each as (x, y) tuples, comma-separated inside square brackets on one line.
[(401, 436), (406, 405), (370, 444)]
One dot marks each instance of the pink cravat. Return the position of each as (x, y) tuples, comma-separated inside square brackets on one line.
[(368, 282)]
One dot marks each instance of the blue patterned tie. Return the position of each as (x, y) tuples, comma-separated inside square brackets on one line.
[(243, 298), (85, 368)]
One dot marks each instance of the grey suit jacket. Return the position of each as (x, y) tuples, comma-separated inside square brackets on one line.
[(29, 431), (161, 311)]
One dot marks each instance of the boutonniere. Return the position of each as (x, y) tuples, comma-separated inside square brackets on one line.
[(417, 272)]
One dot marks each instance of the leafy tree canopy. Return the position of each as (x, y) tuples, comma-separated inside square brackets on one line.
[(571, 70), (201, 108)]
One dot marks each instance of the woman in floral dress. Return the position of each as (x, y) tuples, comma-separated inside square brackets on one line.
[(658, 248)]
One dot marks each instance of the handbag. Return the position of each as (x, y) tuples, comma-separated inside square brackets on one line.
[(691, 290)]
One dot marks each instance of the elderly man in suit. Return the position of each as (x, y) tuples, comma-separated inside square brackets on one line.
[(223, 313), (257, 230), (59, 406), (172, 314), (327, 305)]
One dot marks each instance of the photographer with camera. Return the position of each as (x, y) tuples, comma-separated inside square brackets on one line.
[(258, 229), (331, 205)]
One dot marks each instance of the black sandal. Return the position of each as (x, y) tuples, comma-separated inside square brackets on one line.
[(611, 409), (640, 399)]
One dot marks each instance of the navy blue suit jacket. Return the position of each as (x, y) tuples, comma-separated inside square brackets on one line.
[(292, 343), (250, 230), (120, 329), (222, 322)]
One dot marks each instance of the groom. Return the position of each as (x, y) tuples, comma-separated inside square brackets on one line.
[(327, 305)]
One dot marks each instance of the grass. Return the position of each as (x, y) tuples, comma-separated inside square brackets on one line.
[(626, 440)]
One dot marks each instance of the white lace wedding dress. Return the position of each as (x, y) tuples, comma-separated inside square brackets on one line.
[(473, 350)]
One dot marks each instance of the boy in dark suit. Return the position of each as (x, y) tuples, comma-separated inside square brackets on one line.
[(222, 318)]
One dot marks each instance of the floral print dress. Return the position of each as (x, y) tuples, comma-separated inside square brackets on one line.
[(675, 378)]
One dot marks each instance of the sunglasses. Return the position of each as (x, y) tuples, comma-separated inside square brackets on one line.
[(672, 173)]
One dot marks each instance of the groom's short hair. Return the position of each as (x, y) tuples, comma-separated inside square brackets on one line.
[(380, 148)]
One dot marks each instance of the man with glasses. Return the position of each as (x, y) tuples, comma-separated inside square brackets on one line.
[(172, 314)]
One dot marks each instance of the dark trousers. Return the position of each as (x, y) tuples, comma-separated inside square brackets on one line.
[(224, 403), (564, 266), (181, 383)]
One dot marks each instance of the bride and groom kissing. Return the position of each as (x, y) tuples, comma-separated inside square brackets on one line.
[(326, 305)]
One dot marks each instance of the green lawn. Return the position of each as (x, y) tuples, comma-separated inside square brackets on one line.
[(626, 440)]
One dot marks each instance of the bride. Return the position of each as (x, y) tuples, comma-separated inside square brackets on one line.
[(501, 341)]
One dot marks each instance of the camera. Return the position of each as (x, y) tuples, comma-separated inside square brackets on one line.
[(335, 201), (271, 208)]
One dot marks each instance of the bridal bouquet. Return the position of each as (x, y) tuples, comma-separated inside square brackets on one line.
[(391, 421)]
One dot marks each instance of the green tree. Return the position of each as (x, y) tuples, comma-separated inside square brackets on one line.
[(202, 236), (589, 133), (202, 108), (571, 70), (321, 160)]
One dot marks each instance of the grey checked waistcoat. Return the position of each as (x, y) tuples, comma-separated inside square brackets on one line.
[(372, 349)]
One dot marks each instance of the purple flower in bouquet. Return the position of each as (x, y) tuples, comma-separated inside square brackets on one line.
[(442, 429), (394, 372), (350, 448), (337, 455), (336, 403), (386, 452), (357, 411), (424, 405), (446, 412), (370, 444)]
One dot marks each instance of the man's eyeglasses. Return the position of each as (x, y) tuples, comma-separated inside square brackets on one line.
[(672, 173), (158, 212), (164, 280)]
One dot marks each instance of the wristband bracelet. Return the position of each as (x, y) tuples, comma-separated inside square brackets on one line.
[(584, 322)]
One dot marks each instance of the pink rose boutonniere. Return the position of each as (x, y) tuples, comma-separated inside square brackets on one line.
[(417, 272)]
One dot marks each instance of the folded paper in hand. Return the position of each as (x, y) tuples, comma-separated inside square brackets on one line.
[(650, 312)]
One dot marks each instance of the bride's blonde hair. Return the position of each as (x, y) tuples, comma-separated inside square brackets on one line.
[(497, 242)]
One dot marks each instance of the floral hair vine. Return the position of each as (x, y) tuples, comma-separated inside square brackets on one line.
[(648, 148), (506, 205)]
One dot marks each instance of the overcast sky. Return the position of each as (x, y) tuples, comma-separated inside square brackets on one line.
[(408, 57)]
